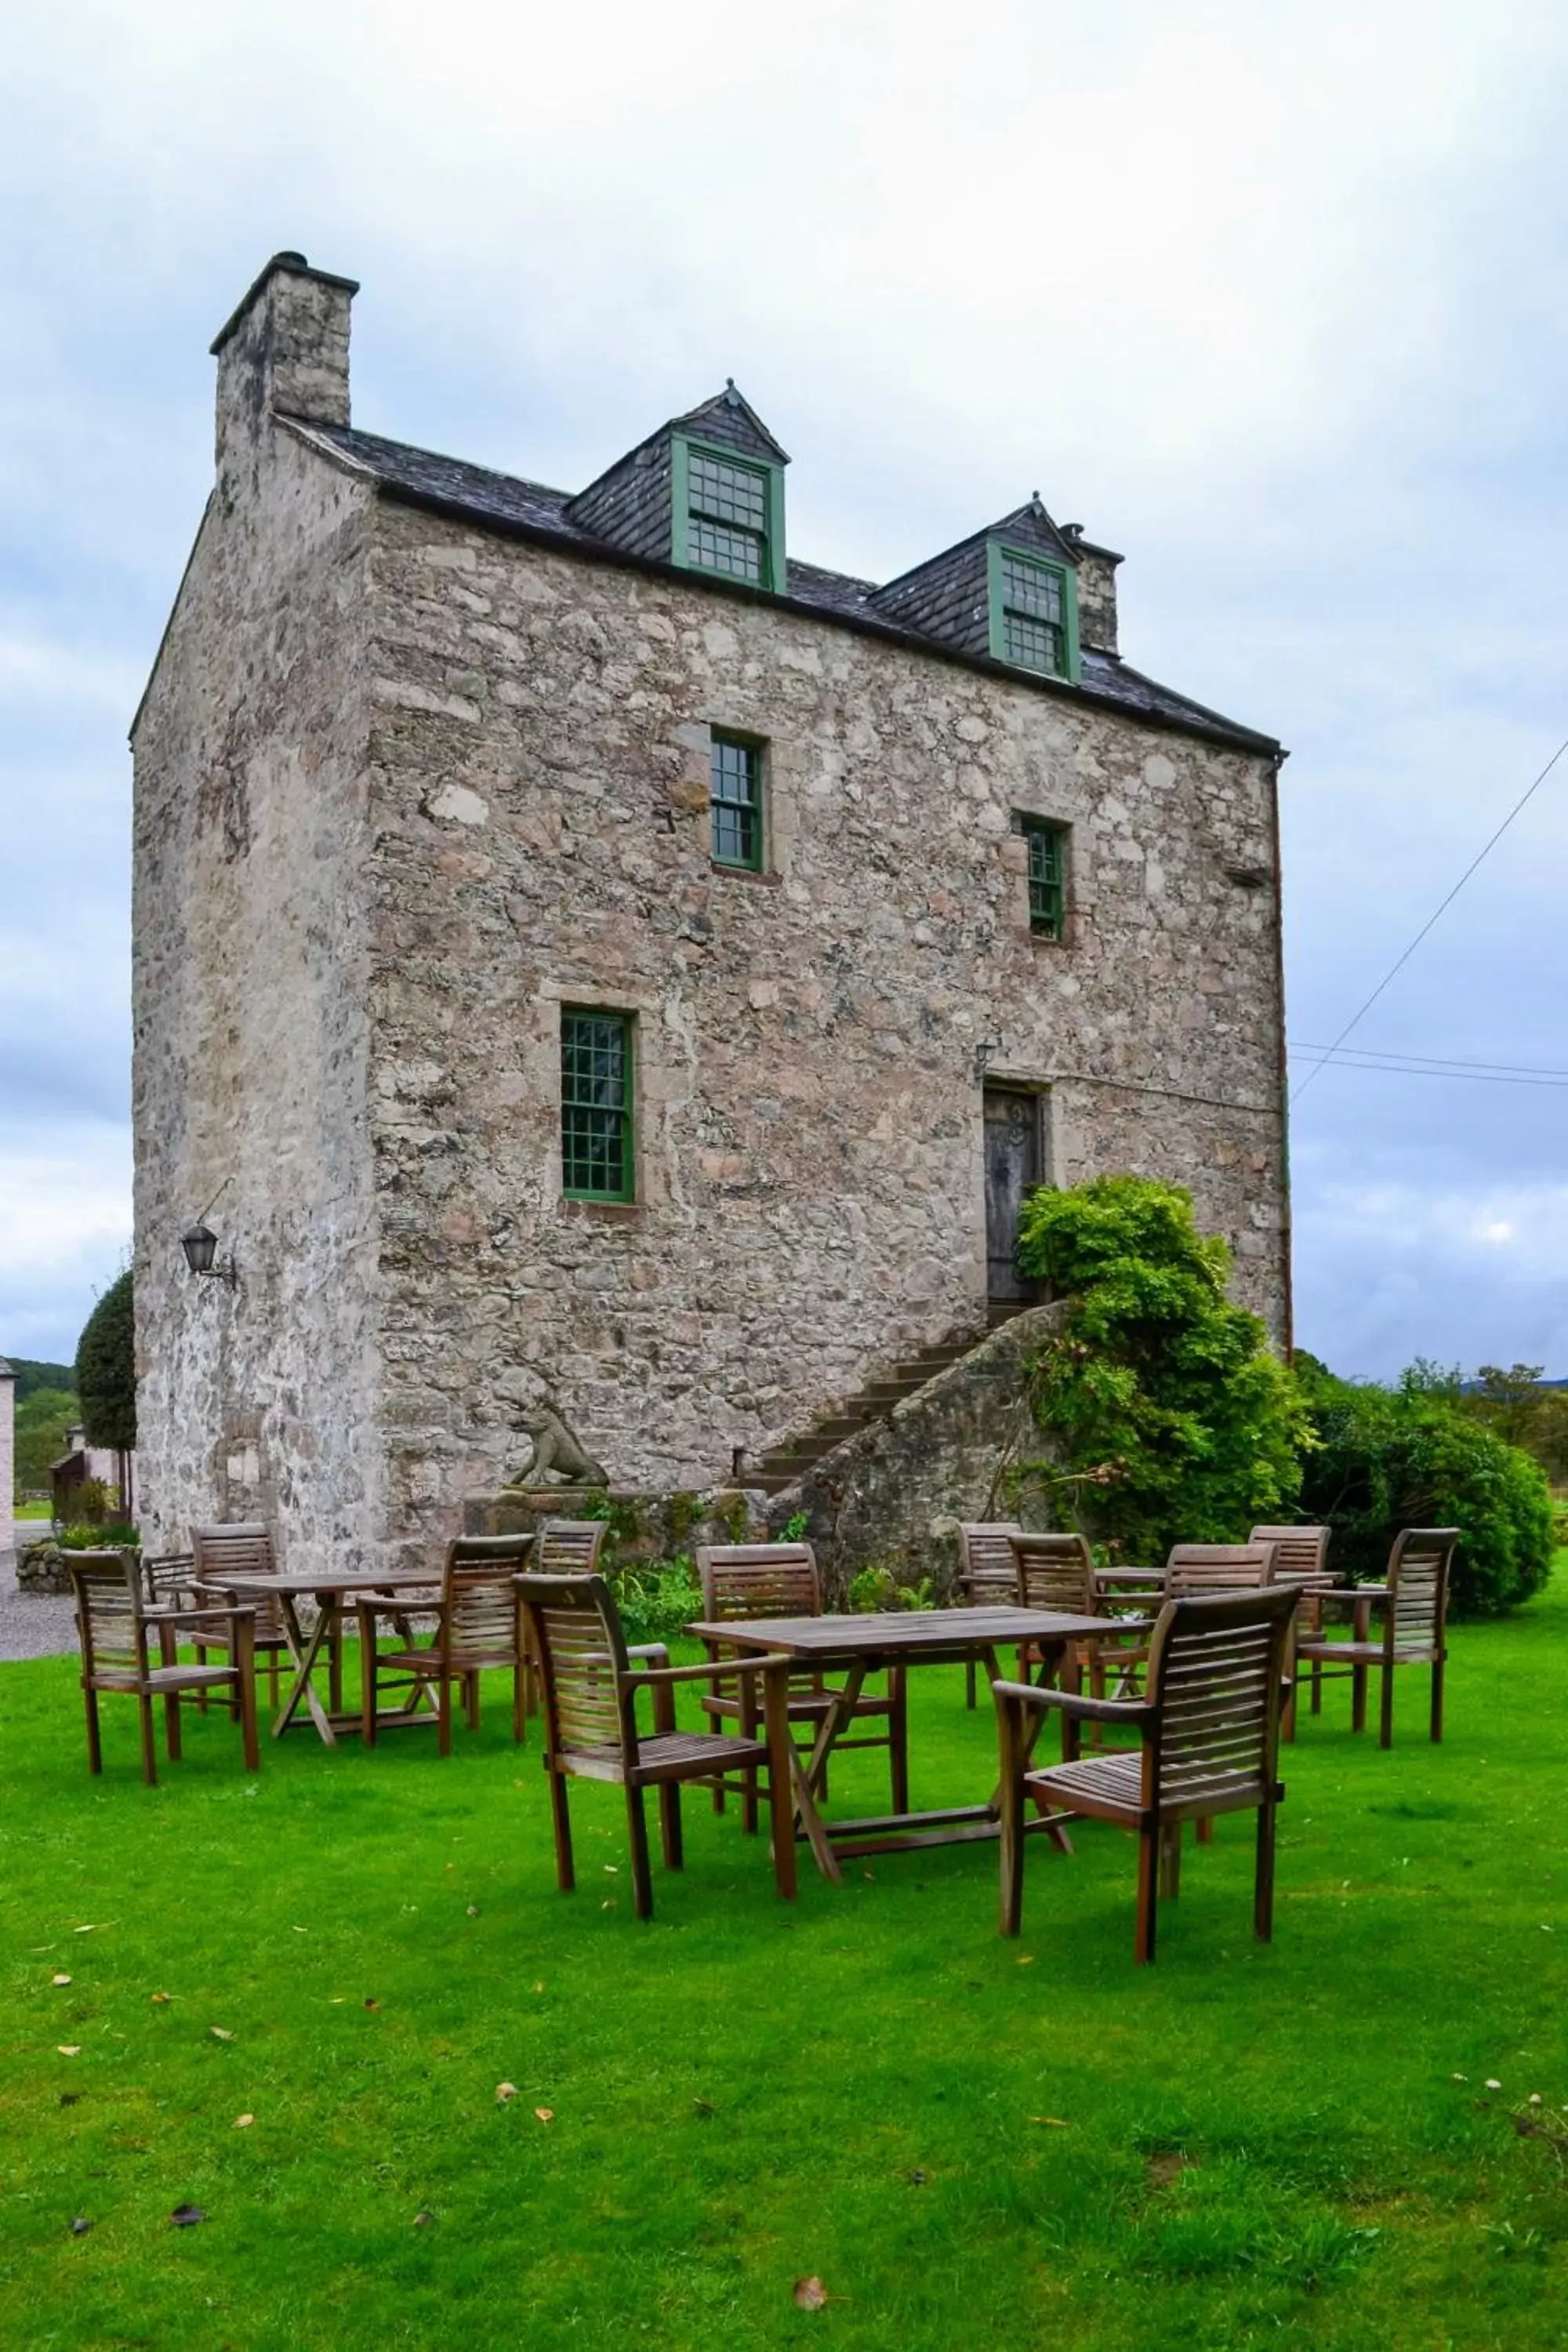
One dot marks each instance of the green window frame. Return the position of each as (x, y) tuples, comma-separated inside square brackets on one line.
[(1048, 872), (598, 1144), (1033, 611), (735, 802), (728, 515)]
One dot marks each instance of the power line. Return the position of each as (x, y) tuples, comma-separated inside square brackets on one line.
[(1400, 961), (1430, 1061), (1431, 1070)]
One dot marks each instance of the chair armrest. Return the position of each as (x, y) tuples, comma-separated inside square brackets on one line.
[(711, 1670), (195, 1616), (1097, 1710), (649, 1650)]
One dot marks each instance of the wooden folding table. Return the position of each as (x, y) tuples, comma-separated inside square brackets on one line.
[(330, 1592)]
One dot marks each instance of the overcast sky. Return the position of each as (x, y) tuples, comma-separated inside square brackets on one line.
[(1270, 297)]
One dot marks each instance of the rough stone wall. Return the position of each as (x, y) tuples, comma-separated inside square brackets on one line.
[(892, 1495), (810, 1204), (250, 995)]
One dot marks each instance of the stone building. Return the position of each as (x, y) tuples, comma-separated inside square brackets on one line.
[(592, 955)]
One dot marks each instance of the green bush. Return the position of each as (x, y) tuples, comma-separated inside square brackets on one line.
[(657, 1601), (89, 1535), (1388, 1458), (874, 1590), (1175, 1419)]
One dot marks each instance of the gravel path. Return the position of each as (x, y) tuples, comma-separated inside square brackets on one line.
[(33, 1624)]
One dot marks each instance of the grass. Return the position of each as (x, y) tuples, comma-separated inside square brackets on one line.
[(971, 2143)]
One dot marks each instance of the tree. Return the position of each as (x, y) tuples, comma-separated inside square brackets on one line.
[(1172, 1413), (42, 1422), (106, 1368)]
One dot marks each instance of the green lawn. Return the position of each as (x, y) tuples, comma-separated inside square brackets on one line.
[(972, 2143)]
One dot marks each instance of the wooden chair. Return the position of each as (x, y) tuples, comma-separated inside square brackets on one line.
[(987, 1574), (1055, 1570), (115, 1623), (1301, 1558), (244, 1547), (1209, 1733), (477, 1629), (591, 1730), (1193, 1567), (781, 1580), (1414, 1605), (570, 1547)]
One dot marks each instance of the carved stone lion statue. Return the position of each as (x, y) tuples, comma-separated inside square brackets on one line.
[(557, 1454)]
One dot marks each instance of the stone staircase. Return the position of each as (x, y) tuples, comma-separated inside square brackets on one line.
[(781, 1465)]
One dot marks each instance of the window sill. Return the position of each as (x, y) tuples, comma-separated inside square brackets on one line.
[(744, 873), (603, 1213)]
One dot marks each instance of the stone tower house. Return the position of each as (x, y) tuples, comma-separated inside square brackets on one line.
[(584, 953)]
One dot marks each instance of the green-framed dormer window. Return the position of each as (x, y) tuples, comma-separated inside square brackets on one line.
[(1034, 611), (728, 514)]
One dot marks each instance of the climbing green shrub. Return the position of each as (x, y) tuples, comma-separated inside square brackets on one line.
[(1172, 1420)]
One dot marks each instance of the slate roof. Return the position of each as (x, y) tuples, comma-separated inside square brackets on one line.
[(503, 502)]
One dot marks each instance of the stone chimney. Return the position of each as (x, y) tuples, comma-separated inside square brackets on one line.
[(284, 352)]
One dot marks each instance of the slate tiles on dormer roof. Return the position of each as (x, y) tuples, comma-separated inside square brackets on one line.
[(519, 509), (629, 504), (946, 597)]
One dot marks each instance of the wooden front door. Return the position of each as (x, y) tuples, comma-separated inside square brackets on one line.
[(1012, 1165)]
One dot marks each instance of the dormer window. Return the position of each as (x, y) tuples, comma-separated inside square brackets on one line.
[(728, 515), (1034, 611)]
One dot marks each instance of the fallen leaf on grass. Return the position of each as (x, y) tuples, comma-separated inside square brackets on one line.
[(1026, 1960), (373, 2004), (539, 1988), (220, 2033), (161, 1999), (59, 1979), (423, 2221), (546, 2115), (703, 2107), (68, 2049), (810, 2294), (185, 2217), (1493, 2083), (1058, 2123), (243, 2123), (90, 1929), (81, 2226), (505, 2091), (473, 1910), (611, 1903)]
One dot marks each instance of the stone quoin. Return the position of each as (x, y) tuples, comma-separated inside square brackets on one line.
[(593, 959)]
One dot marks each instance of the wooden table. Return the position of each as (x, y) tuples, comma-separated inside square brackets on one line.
[(896, 1639), (329, 1593)]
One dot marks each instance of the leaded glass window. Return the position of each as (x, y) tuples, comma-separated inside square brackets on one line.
[(1034, 620), (1047, 878), (727, 518), (597, 1143), (735, 799)]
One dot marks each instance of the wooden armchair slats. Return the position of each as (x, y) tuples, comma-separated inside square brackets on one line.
[(477, 1629), (1414, 1603), (117, 1628), (1301, 1558), (591, 1688), (570, 1547), (244, 1548), (1208, 1729), (782, 1580), (987, 1573), (1191, 1568)]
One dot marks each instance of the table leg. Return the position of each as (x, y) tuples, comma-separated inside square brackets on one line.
[(810, 1819), (303, 1650)]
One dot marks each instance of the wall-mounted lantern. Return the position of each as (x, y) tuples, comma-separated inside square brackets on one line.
[(200, 1245)]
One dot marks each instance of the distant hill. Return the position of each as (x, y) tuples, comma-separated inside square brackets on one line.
[(31, 1376)]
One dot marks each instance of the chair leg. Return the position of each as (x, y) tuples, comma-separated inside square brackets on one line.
[(248, 1721), (1148, 1875), (1263, 1893), (670, 1824), (1385, 1716), (1288, 1711), (748, 1729), (1358, 1698), (1438, 1699), (334, 1662), (94, 1739), (1171, 1861), (272, 1679), (520, 1702), (969, 1684), (1317, 1688), (201, 1695), (1206, 1830), (899, 1738), (368, 1677), (149, 1754), (444, 1714), (637, 1837), (781, 1783), (172, 1725), (1010, 1844), (472, 1696), (560, 1823)]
